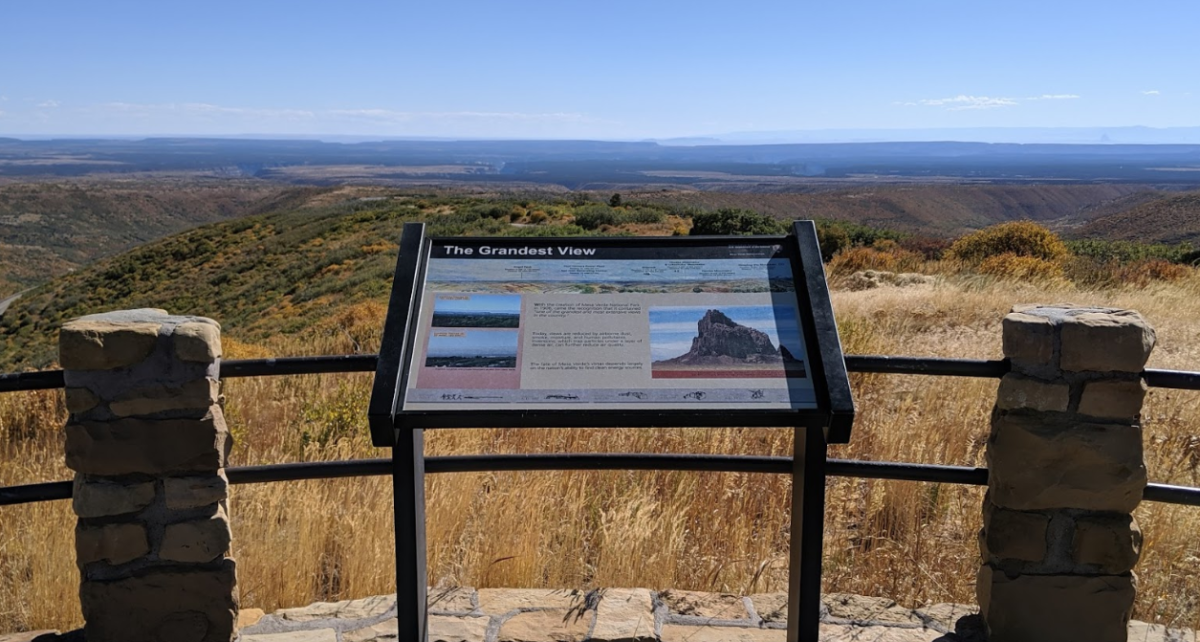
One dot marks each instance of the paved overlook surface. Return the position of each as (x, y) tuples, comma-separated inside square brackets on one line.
[(615, 615)]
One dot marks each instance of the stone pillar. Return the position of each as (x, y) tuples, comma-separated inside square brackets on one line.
[(1058, 543), (147, 441)]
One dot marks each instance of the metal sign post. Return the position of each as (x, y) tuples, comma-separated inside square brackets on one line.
[(635, 332)]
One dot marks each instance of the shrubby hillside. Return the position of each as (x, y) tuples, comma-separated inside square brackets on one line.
[(281, 272), (322, 251), (49, 229), (1172, 219), (931, 209)]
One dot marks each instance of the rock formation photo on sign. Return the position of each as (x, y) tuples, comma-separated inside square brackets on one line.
[(722, 347)]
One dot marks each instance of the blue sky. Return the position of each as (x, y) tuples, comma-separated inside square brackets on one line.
[(613, 70)]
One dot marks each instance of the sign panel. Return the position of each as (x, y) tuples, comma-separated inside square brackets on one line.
[(577, 324)]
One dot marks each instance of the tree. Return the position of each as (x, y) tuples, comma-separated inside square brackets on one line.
[(615, 201), (727, 221)]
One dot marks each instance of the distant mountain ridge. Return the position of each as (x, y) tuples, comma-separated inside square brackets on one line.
[(573, 164), (1135, 135)]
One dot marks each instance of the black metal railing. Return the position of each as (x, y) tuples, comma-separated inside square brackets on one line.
[(714, 463)]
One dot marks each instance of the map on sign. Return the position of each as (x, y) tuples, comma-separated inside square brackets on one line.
[(570, 325)]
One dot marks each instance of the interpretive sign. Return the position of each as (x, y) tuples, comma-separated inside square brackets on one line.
[(504, 323), (636, 331)]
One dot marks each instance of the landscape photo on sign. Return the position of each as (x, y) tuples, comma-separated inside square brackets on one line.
[(472, 349), (476, 311), (600, 276), (699, 342)]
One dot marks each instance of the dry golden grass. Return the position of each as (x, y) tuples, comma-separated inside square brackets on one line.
[(915, 542)]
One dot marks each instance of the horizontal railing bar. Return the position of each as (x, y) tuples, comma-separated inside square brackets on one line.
[(616, 461), (41, 380), (309, 470), (30, 493), (1177, 379), (927, 366), (995, 368), (298, 365)]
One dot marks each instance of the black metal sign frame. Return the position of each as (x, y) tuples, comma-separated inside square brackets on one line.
[(828, 420)]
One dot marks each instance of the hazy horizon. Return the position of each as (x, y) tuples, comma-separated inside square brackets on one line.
[(1117, 135)]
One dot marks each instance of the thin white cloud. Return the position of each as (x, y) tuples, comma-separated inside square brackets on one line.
[(206, 109), (202, 118), (48, 104), (1152, 92), (378, 116), (964, 101), (388, 115)]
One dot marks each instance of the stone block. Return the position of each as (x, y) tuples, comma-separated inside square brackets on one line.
[(442, 628), (198, 396), (718, 606), (1113, 543), (1143, 632), (550, 625), (459, 599), (624, 615), (947, 614), (249, 617), (80, 400), (385, 630), (1105, 340), (367, 607), (1028, 339), (1113, 399), (1020, 392), (683, 633), (851, 633), (93, 343), (771, 607), (181, 493), (1037, 463), (1057, 608), (313, 635), (112, 543), (102, 498), (861, 608), (501, 601), (983, 588), (198, 340), (154, 447), (180, 606), (196, 541), (44, 635), (1011, 534)]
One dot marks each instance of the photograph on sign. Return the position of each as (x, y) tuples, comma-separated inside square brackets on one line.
[(512, 325)]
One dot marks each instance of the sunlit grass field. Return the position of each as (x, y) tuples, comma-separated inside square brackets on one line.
[(299, 542)]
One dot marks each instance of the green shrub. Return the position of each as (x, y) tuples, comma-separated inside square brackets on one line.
[(1014, 266), (594, 216), (644, 215), (1131, 252), (1020, 238), (730, 221)]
